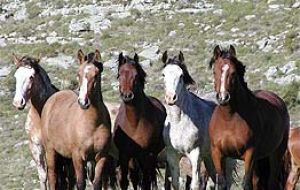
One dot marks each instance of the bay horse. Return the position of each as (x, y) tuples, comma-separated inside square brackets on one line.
[(252, 126), (138, 126), (78, 127), (33, 84), (186, 125), (294, 157)]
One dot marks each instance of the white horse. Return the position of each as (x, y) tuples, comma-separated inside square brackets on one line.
[(186, 126)]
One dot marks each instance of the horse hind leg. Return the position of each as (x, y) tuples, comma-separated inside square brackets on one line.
[(38, 154)]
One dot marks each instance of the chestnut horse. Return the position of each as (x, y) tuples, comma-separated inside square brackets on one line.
[(294, 156), (33, 83), (252, 126), (78, 127), (138, 126)]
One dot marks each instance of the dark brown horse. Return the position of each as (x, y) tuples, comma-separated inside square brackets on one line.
[(138, 126), (78, 127), (33, 83), (252, 126), (294, 156)]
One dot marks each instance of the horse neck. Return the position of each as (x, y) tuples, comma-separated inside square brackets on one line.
[(40, 92), (176, 111), (96, 95), (243, 101), (136, 109)]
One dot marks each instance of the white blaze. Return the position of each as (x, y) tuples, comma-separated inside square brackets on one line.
[(225, 69), (84, 84), (23, 82)]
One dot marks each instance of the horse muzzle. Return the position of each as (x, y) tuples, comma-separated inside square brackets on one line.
[(223, 98), (84, 103), (19, 104), (127, 96), (170, 99)]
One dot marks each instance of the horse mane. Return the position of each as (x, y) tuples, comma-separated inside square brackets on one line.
[(140, 71), (187, 79)]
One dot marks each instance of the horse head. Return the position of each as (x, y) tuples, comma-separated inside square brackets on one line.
[(228, 72), (131, 77), (89, 70), (176, 77), (26, 70)]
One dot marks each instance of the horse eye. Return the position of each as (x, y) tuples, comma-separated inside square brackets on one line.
[(31, 77), (163, 75)]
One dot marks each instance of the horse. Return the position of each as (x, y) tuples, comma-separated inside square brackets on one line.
[(34, 85), (186, 125), (247, 125), (78, 126), (138, 126), (293, 154)]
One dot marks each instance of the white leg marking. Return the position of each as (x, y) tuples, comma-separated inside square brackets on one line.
[(194, 157)]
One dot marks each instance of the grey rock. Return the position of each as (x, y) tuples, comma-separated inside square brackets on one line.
[(62, 60), (4, 71), (270, 73), (289, 67), (249, 17), (150, 52), (296, 5), (3, 42), (79, 25), (172, 33), (146, 63)]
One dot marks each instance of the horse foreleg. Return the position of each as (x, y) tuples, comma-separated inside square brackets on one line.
[(247, 181), (79, 168), (194, 157), (173, 167), (99, 175), (217, 160), (38, 154), (124, 172)]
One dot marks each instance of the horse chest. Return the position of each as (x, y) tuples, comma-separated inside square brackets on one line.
[(182, 136)]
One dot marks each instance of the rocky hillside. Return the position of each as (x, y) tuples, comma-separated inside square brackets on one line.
[(266, 35)]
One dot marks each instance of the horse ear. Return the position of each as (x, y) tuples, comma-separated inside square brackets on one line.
[(165, 57), (80, 56), (181, 58), (136, 58), (97, 56), (121, 58), (39, 58), (232, 50), (217, 52), (16, 60)]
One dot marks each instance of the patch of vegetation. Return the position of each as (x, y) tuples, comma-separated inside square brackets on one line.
[(33, 9)]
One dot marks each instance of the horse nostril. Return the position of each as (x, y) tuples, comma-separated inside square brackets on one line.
[(22, 102), (174, 97)]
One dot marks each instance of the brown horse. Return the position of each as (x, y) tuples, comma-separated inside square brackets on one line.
[(138, 126), (294, 156), (252, 126), (78, 127), (33, 83)]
